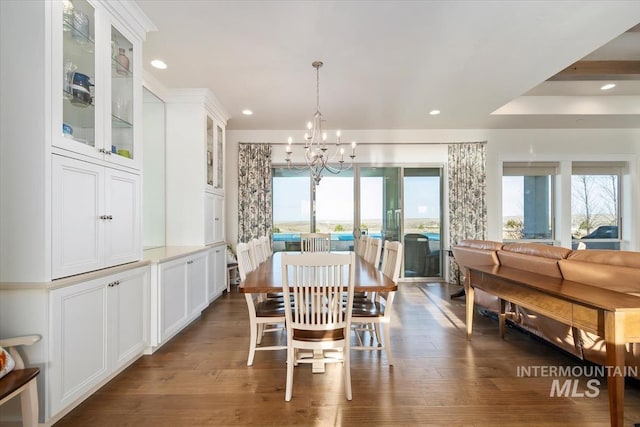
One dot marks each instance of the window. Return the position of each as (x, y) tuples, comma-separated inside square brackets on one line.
[(527, 201), (595, 204), (291, 208), (334, 209)]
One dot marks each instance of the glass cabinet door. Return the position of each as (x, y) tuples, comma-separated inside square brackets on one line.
[(121, 96), (78, 73), (219, 157), (210, 148)]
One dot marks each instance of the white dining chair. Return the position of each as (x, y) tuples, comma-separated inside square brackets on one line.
[(320, 317), (266, 246), (20, 381), (315, 242), (363, 243), (257, 251), (265, 315), (372, 255), (376, 311)]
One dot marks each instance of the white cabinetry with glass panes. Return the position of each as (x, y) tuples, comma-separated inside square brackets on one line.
[(86, 108), (81, 212), (194, 167)]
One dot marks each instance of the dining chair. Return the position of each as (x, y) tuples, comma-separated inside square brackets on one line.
[(265, 315), (20, 381), (315, 242), (372, 255), (320, 317), (257, 251), (363, 243), (266, 246), (376, 311)]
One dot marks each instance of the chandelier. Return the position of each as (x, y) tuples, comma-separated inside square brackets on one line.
[(316, 150)]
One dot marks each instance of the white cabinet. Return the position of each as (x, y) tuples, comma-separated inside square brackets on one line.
[(97, 327), (181, 295), (96, 218), (78, 111), (213, 218), (217, 272), (195, 124), (197, 284), (97, 82)]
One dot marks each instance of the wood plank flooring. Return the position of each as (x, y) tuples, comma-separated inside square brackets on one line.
[(439, 378)]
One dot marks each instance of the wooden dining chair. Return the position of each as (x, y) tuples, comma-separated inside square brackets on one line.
[(315, 242), (265, 315), (376, 311), (320, 317), (21, 381)]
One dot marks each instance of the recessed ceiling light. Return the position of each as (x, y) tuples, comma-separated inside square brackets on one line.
[(247, 112), (434, 112), (159, 64), (608, 86)]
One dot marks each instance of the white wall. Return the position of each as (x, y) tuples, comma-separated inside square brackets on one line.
[(377, 147)]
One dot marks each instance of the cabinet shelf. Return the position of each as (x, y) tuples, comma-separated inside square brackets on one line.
[(120, 123), (85, 41)]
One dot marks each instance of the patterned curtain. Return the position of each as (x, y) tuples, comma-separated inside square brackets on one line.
[(254, 191), (467, 196)]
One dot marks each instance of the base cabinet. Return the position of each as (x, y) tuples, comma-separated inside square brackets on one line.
[(97, 327), (178, 295), (217, 272)]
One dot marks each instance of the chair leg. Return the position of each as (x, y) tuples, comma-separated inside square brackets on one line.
[(29, 404), (386, 330), (253, 337), (376, 328), (290, 364), (260, 333), (347, 372)]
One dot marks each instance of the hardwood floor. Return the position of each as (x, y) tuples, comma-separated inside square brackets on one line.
[(439, 378)]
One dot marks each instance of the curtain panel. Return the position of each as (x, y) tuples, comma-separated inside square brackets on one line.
[(254, 191), (467, 196)]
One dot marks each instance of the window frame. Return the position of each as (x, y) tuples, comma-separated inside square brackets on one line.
[(542, 168)]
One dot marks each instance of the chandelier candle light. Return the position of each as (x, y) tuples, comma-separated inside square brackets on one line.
[(315, 144)]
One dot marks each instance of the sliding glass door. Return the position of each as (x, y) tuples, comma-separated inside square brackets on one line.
[(422, 222), (334, 209), (379, 203), (390, 203)]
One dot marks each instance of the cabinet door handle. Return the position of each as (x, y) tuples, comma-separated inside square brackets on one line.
[(109, 217), (190, 262), (105, 151), (103, 217)]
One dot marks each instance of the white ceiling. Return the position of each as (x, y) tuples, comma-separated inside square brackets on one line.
[(388, 63)]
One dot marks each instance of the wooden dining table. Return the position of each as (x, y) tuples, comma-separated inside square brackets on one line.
[(267, 278)]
